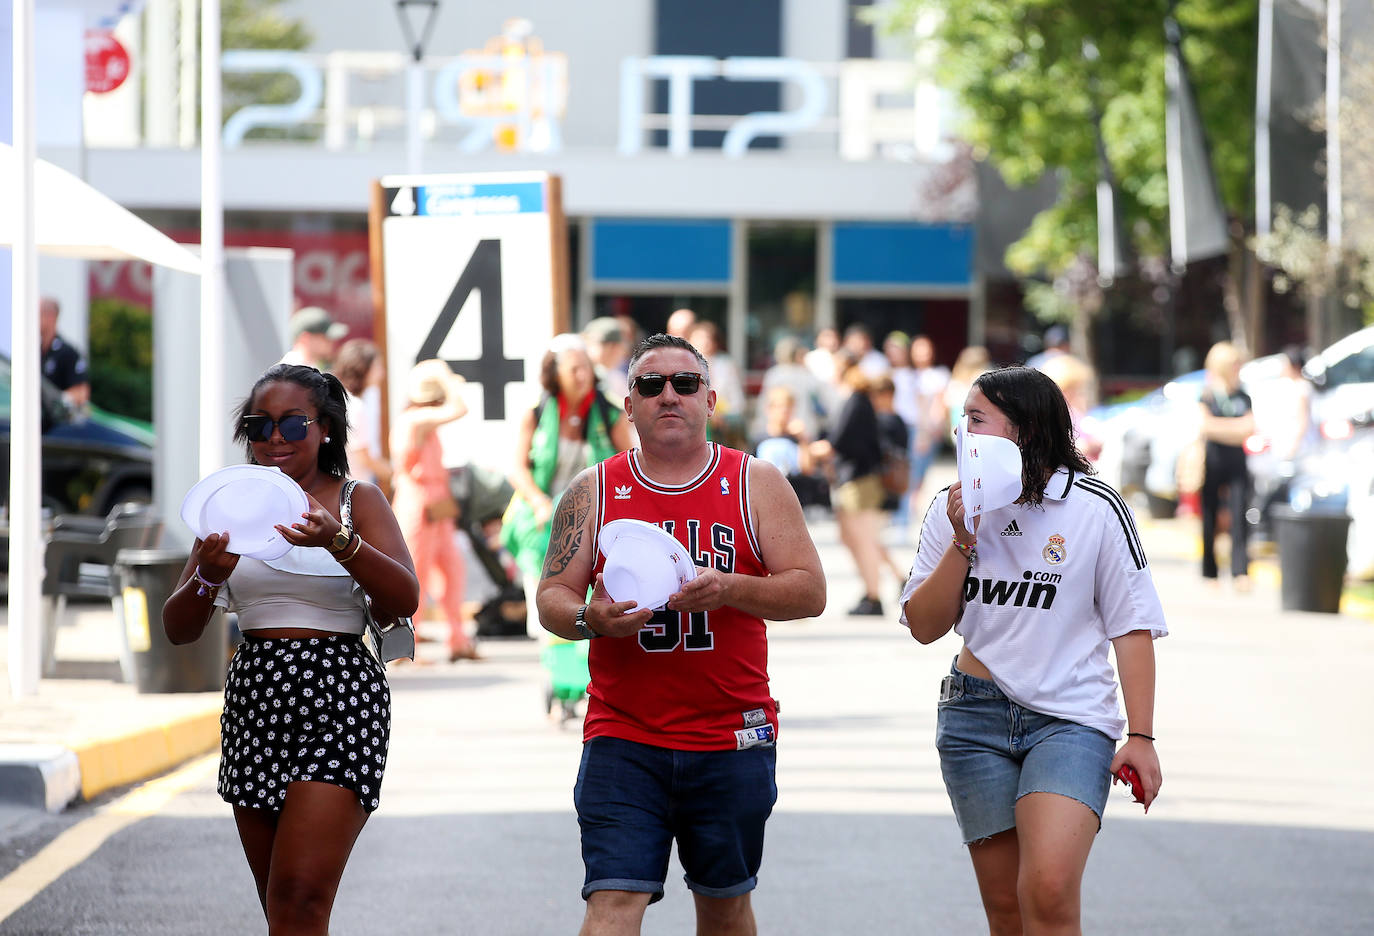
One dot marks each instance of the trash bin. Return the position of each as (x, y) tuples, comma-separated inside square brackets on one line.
[(1312, 558), (147, 578)]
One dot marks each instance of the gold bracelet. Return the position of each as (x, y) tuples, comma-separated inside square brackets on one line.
[(359, 546)]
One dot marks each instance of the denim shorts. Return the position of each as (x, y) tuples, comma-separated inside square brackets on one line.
[(993, 752), (634, 799)]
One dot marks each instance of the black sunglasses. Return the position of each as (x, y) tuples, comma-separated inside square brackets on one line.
[(684, 384), (293, 428)]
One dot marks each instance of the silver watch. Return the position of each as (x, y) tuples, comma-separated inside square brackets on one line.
[(580, 622)]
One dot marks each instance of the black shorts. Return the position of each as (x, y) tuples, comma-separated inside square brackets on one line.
[(303, 709)]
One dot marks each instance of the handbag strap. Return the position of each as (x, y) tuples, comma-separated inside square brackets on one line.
[(346, 503)]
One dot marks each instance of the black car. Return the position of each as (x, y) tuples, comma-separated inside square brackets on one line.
[(91, 461)]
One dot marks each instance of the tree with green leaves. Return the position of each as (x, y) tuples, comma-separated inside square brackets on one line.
[(1035, 79), (261, 24)]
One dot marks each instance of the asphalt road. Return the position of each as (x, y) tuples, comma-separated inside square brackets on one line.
[(1264, 826)]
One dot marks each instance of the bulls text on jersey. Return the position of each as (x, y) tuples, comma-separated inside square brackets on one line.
[(721, 552)]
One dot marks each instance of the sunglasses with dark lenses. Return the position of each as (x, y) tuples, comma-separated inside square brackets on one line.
[(684, 384), (293, 428)]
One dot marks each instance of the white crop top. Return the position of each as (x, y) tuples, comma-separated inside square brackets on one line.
[(305, 588)]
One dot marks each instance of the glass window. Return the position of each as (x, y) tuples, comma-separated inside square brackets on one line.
[(782, 288)]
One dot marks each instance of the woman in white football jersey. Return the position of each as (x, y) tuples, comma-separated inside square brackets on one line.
[(1029, 722)]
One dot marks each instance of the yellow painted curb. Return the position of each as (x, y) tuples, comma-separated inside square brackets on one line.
[(116, 761), (1357, 607)]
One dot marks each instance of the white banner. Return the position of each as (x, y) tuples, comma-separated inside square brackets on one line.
[(472, 276)]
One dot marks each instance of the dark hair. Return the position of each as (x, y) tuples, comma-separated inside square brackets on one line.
[(353, 362), (1036, 407), (660, 342), (331, 402)]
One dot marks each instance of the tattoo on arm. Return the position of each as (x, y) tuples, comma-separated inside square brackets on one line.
[(568, 523)]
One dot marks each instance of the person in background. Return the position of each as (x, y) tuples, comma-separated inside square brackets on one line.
[(820, 360), (1290, 429), (680, 323), (301, 757), (728, 420), (606, 345), (931, 422), (423, 499), (971, 362), (1056, 343), (858, 341), (897, 348), (1228, 419), (808, 396), (894, 443), (62, 364), (360, 369), (1028, 717), (313, 336), (1078, 382), (786, 445), (572, 426), (854, 451)]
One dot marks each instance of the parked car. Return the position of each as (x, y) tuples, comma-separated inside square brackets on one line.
[(91, 460), (1344, 377), (1165, 422)]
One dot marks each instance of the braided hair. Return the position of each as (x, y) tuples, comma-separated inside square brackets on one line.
[(331, 402)]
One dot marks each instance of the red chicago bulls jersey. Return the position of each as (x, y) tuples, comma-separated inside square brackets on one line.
[(695, 682)]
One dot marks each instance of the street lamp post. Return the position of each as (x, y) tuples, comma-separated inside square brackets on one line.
[(417, 24)]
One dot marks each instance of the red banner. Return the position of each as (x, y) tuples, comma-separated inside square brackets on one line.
[(330, 270)]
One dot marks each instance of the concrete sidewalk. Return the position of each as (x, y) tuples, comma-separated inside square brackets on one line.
[(86, 732)]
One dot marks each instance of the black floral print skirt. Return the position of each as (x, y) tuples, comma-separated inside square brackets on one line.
[(316, 708)]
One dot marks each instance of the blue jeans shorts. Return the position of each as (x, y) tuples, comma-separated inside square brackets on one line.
[(993, 752), (634, 799)]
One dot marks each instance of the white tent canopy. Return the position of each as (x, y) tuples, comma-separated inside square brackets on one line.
[(75, 220)]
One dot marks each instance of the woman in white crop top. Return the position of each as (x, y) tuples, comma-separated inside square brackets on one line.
[(1028, 720), (307, 711)]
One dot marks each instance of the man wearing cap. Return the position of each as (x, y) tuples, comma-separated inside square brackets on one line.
[(678, 740), (313, 334)]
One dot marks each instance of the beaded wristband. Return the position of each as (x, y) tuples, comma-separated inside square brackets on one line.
[(205, 584), (969, 551)]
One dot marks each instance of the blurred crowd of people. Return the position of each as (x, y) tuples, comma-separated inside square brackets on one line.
[(853, 423)]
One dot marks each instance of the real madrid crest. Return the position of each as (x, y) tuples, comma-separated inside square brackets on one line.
[(1056, 550)]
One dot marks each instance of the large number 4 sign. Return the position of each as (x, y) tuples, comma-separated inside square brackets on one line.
[(493, 370), (665, 632)]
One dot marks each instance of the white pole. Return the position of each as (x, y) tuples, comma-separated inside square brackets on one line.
[(415, 99), (1264, 92), (186, 82), (1334, 224), (213, 414), (26, 558), (159, 69)]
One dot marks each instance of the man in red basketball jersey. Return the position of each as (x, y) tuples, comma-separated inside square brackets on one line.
[(680, 730)]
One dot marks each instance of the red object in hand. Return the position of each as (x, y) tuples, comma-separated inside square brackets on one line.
[(1127, 774)]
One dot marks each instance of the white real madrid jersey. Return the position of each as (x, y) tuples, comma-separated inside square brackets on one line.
[(1053, 585)]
